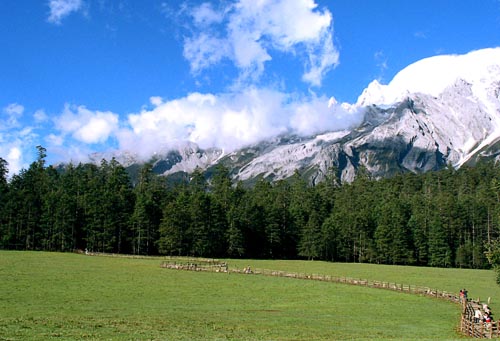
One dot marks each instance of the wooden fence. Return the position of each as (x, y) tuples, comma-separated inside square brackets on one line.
[(196, 265), (468, 325), (476, 327), (480, 330)]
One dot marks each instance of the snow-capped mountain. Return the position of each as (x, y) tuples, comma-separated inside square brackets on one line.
[(439, 111)]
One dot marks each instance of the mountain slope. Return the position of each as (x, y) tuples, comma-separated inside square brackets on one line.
[(439, 111)]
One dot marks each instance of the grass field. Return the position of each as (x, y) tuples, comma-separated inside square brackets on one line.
[(70, 296), (480, 283)]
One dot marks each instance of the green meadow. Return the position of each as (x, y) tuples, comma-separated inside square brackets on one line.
[(66, 296)]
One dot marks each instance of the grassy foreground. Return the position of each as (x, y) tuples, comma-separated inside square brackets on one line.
[(69, 296)]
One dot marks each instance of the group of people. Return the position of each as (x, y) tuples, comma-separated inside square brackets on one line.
[(484, 316), (479, 315), (463, 295)]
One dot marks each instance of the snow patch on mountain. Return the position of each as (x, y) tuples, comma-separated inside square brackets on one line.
[(433, 75), (282, 161), (462, 93), (333, 135)]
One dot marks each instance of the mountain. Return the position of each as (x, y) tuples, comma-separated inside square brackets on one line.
[(439, 111)]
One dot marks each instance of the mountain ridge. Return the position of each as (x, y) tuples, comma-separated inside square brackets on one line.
[(406, 128)]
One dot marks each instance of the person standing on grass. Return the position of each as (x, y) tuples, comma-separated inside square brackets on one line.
[(477, 315)]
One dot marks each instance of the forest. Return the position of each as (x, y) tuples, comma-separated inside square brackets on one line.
[(444, 218)]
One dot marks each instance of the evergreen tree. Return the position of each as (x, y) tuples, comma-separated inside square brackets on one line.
[(221, 205), (119, 205), (493, 255), (4, 197), (301, 205), (174, 232), (439, 250), (68, 217), (392, 237), (310, 243), (33, 186), (147, 211), (253, 221), (418, 224), (236, 223)]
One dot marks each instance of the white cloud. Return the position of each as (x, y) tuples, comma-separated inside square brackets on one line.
[(206, 15), (14, 158), (13, 150), (73, 135), (16, 140), (226, 121), (40, 116), (156, 100), (420, 35), (230, 120), (14, 109), (248, 32), (322, 62), (68, 152), (12, 113), (382, 64), (60, 9), (55, 140), (320, 114), (203, 51), (85, 125)]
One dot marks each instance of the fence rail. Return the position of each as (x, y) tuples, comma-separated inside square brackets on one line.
[(223, 267), (480, 330)]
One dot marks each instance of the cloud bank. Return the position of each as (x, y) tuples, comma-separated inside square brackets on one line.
[(230, 121), (227, 121)]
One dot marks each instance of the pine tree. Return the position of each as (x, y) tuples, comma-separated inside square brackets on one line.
[(439, 250), (236, 222), (310, 243), (392, 236), (147, 211), (5, 232), (119, 206), (174, 238)]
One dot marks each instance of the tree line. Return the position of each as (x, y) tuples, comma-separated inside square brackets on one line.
[(445, 218)]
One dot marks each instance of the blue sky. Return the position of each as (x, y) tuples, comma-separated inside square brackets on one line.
[(79, 76)]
